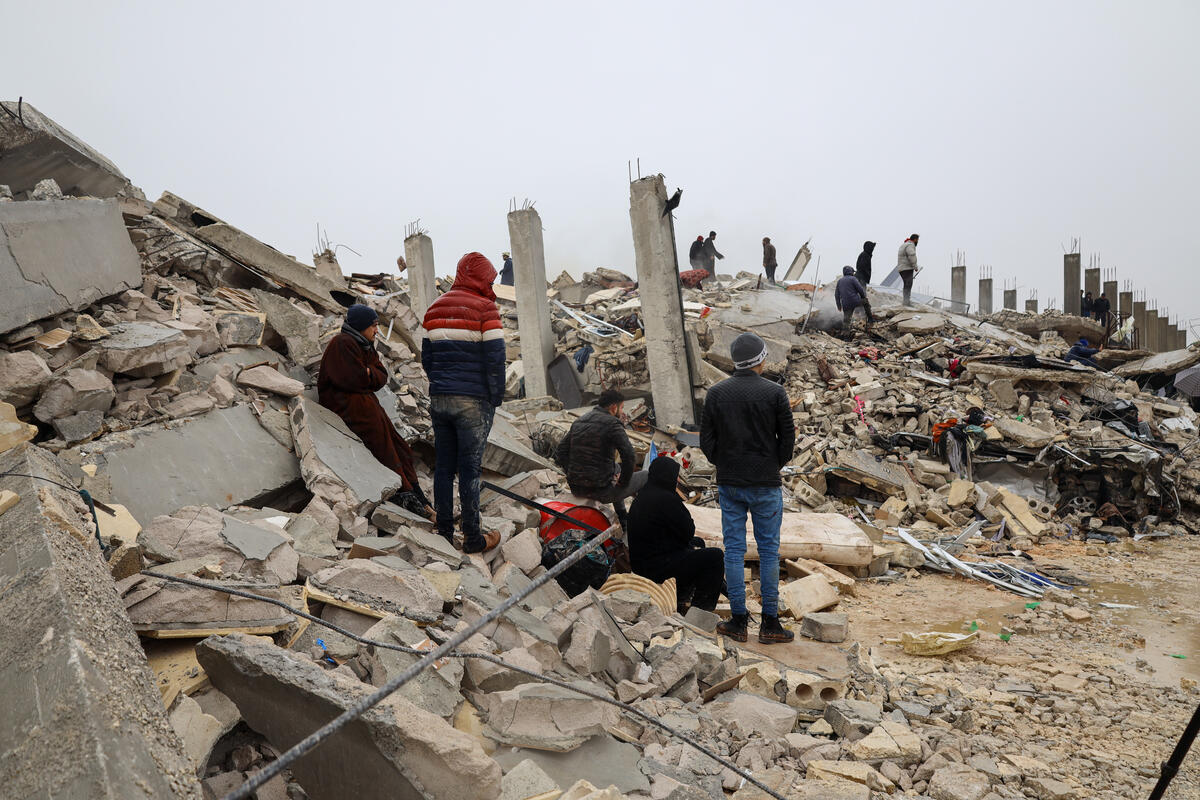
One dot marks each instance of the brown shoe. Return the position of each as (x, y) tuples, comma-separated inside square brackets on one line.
[(490, 540)]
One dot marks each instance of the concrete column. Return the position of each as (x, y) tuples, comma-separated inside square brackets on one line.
[(985, 296), (1110, 292), (1091, 281), (1140, 323), (1071, 283), (1165, 342), (422, 288), (1010, 299), (533, 309), (1152, 331), (662, 304), (1031, 305), (1183, 336), (958, 288), (1125, 305)]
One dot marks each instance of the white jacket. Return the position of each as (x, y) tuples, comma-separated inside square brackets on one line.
[(906, 259)]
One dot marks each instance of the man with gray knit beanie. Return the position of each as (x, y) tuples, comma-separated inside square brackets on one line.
[(747, 431)]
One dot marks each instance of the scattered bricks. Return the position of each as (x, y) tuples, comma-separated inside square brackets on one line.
[(825, 627), (852, 719), (524, 551)]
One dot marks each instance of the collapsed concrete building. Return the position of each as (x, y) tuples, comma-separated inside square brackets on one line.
[(159, 436)]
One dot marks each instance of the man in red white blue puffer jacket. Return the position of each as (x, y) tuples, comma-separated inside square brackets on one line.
[(463, 355)]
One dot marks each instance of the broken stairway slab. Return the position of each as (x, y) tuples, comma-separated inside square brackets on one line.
[(828, 538), (82, 718), (394, 751), (61, 255)]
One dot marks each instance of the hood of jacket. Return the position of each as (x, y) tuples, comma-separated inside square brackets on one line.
[(476, 274), (868, 247), (663, 472), (847, 270)]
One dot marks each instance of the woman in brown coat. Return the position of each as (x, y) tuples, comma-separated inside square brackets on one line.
[(351, 373)]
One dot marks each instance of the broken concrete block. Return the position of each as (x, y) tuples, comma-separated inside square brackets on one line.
[(198, 730), (856, 771), (79, 427), (269, 379), (82, 715), (524, 551), (825, 627), (12, 431), (436, 690), (508, 451), (378, 586), (852, 719), (589, 650), (808, 594), (601, 760), (240, 328), (144, 350), (958, 782), (158, 608), (189, 405), (396, 749), (60, 255), (544, 716), (239, 547), (962, 493), (73, 391), (672, 665), (146, 467), (706, 621), (22, 375), (753, 713), (829, 789), (1022, 433), (300, 329), (528, 781)]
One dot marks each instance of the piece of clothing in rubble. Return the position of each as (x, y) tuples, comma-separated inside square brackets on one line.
[(464, 357), (350, 374), (862, 267), (696, 253), (954, 441), (506, 272), (1082, 352), (849, 295), (662, 539), (692, 278), (581, 357), (906, 265), (711, 254), (770, 264)]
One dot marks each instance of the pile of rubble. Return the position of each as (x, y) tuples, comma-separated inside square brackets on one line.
[(162, 361)]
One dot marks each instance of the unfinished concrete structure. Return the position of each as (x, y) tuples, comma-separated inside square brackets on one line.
[(1109, 289), (985, 296), (1091, 281), (958, 287), (662, 305), (1124, 305), (1166, 340), (1071, 296), (1031, 305), (1010, 299), (1140, 319), (533, 309), (1151, 342), (422, 289)]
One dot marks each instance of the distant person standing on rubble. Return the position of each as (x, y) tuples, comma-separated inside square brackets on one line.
[(696, 253), (1086, 306), (862, 267), (506, 272), (769, 262), (1101, 308), (906, 265), (711, 254), (849, 295), (746, 430), (586, 455), (350, 374), (463, 354)]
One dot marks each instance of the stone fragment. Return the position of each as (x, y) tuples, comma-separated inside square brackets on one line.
[(589, 650), (1050, 789), (144, 350), (198, 730), (808, 594), (240, 328), (876, 746), (544, 716), (825, 626), (958, 782), (436, 690), (962, 493), (269, 379), (1076, 614), (829, 789), (852, 719), (602, 760), (22, 375), (1022, 433), (79, 427), (1067, 683), (74, 391), (528, 781), (752, 713), (189, 404), (12, 431), (524, 551), (395, 749), (300, 329), (238, 547), (706, 621), (378, 585), (856, 771)]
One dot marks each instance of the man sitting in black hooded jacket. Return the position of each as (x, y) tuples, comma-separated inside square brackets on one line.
[(662, 541)]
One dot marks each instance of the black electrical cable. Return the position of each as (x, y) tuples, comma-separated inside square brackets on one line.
[(493, 659)]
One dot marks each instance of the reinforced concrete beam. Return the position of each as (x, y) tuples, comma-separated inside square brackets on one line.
[(1071, 296)]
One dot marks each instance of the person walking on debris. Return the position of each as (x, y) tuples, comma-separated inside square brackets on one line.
[(769, 261), (1082, 352), (1086, 306), (711, 254), (746, 430), (862, 267), (506, 272), (1101, 308), (663, 542), (586, 455), (350, 374), (849, 295), (463, 354), (696, 253), (906, 264)]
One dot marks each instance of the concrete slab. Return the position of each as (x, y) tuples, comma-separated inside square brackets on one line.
[(82, 718), (36, 147), (61, 255), (603, 761), (220, 459)]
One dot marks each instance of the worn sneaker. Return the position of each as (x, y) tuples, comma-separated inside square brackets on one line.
[(735, 627), (771, 631), (487, 542)]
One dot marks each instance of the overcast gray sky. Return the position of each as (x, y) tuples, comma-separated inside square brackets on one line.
[(1001, 129)]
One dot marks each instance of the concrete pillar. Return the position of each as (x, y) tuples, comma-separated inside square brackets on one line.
[(1031, 305), (1071, 283), (533, 309), (1125, 305), (1183, 336), (1152, 331), (1010, 299), (1110, 292), (958, 288), (985, 296), (1091, 281), (422, 288), (662, 303), (1140, 323), (1165, 342)]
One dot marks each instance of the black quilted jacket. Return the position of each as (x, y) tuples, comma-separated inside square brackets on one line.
[(747, 430), (586, 452)]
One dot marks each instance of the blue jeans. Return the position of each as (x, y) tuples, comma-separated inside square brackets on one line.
[(764, 504), (460, 429)]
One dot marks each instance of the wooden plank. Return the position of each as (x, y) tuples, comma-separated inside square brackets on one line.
[(202, 633), (176, 670), (321, 596)]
